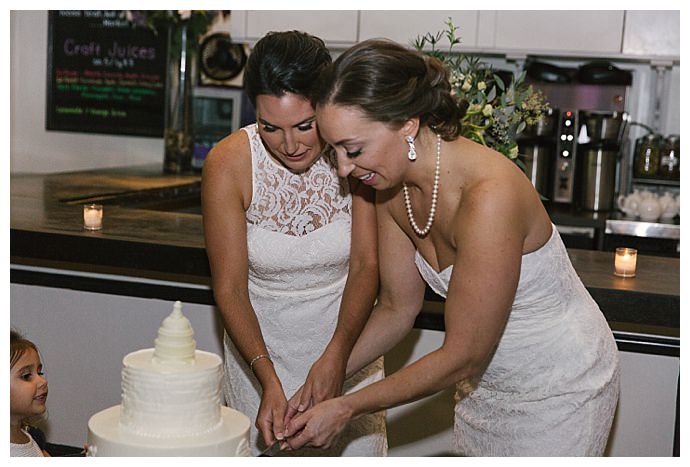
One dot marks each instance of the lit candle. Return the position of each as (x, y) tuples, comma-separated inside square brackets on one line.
[(625, 262), (93, 216)]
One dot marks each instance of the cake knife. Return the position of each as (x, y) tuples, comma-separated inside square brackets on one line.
[(271, 451)]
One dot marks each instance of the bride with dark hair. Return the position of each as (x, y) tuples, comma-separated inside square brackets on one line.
[(292, 250)]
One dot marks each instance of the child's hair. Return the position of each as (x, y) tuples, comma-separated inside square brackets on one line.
[(19, 345)]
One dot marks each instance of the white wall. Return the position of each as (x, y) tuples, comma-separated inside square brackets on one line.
[(32, 148)]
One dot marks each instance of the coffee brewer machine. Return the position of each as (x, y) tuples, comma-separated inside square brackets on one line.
[(537, 149), (588, 131), (598, 142)]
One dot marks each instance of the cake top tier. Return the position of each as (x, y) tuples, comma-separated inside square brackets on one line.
[(175, 344)]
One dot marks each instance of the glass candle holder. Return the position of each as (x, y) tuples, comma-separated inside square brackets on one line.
[(625, 263), (93, 216)]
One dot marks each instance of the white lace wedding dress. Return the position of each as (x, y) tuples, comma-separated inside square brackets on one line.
[(298, 240), (552, 386)]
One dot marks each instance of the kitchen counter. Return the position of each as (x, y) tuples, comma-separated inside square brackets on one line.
[(152, 245), (607, 230)]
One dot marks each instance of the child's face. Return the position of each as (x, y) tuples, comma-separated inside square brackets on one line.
[(28, 387)]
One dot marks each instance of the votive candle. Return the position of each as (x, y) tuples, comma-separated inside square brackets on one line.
[(93, 216), (625, 263)]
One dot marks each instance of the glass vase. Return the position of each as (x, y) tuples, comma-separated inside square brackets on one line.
[(179, 121)]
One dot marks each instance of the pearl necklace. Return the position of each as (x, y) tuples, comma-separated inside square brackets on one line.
[(434, 196)]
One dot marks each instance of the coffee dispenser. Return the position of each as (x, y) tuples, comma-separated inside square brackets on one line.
[(599, 149), (537, 147), (589, 128)]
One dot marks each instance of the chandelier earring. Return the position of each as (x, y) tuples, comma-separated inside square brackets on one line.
[(412, 152)]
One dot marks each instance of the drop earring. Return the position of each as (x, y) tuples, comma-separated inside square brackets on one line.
[(412, 152)]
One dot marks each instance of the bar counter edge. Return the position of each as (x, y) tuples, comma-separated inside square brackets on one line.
[(157, 254)]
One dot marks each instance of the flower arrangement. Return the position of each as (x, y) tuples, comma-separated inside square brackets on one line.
[(496, 113)]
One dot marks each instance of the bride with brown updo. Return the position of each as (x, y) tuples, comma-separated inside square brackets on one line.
[(533, 358)]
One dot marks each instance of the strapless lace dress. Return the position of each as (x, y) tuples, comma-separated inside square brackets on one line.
[(552, 386), (298, 240)]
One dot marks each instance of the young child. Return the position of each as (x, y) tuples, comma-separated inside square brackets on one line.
[(28, 393)]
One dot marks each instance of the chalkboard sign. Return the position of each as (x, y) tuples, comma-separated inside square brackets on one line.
[(104, 75)]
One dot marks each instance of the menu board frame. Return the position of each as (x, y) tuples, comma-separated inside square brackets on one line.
[(104, 75)]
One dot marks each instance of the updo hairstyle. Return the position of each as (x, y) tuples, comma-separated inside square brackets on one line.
[(282, 62), (392, 84)]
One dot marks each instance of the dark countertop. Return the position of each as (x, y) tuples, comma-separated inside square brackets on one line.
[(147, 235), (52, 203)]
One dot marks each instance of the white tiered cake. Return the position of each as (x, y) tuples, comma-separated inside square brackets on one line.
[(170, 403)]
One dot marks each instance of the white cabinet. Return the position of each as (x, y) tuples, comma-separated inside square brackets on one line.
[(559, 32), (335, 27), (403, 26), (652, 33), (555, 30)]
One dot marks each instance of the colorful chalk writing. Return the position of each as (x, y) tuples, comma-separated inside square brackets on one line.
[(104, 75)]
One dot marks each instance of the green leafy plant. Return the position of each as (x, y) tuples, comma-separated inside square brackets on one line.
[(497, 113)]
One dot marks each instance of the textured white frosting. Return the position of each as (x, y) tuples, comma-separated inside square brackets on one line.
[(175, 344), (167, 401), (174, 389)]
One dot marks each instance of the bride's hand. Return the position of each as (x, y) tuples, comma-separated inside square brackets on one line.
[(319, 426), (271, 415), (324, 381), (293, 406)]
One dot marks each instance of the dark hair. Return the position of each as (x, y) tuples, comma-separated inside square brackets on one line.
[(288, 61), (392, 84), (18, 346)]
